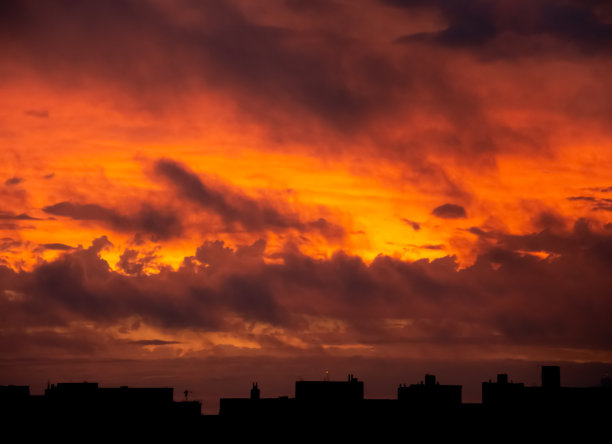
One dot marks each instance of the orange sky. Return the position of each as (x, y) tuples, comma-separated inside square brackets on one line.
[(380, 179)]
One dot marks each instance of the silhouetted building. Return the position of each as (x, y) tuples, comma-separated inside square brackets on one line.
[(14, 400), (329, 391), (429, 395), (14, 393), (426, 408), (187, 410), (249, 408), (551, 377), (86, 401), (137, 402), (550, 402), (72, 390), (312, 398), (502, 394)]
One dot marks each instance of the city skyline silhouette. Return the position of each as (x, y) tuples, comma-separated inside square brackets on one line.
[(201, 195)]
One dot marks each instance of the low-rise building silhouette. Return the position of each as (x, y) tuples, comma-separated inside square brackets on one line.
[(323, 404), (429, 395), (87, 401), (502, 394), (329, 391), (312, 398), (550, 400)]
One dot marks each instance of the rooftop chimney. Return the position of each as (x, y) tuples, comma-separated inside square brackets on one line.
[(255, 391)]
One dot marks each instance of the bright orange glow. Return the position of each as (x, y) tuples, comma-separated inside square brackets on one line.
[(238, 179)]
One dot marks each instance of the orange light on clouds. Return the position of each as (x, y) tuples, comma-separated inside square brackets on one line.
[(360, 179)]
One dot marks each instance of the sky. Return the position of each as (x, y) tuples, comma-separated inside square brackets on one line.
[(202, 194)]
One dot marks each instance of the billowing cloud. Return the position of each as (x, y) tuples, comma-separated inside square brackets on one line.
[(232, 207), (223, 47), (394, 180), (235, 207), (298, 64), (159, 223), (476, 23), (222, 289)]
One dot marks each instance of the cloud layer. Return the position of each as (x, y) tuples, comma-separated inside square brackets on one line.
[(511, 296), (391, 180)]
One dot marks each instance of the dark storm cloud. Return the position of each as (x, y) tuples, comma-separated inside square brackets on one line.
[(81, 285), (12, 216), (475, 23), (154, 342), (580, 238), (449, 211), (128, 262), (470, 22), (505, 297), (415, 225), (13, 181), (236, 208), (597, 203), (9, 215), (82, 211), (432, 246), (243, 210), (160, 224), (252, 298), (477, 231), (61, 247), (585, 198), (424, 246), (604, 206), (134, 262), (309, 79), (325, 227), (548, 220), (218, 46)]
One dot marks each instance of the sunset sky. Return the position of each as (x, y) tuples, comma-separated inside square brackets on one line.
[(204, 193)]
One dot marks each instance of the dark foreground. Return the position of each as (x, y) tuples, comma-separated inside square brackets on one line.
[(321, 411)]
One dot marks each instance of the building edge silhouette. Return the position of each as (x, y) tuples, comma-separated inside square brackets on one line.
[(427, 405)]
